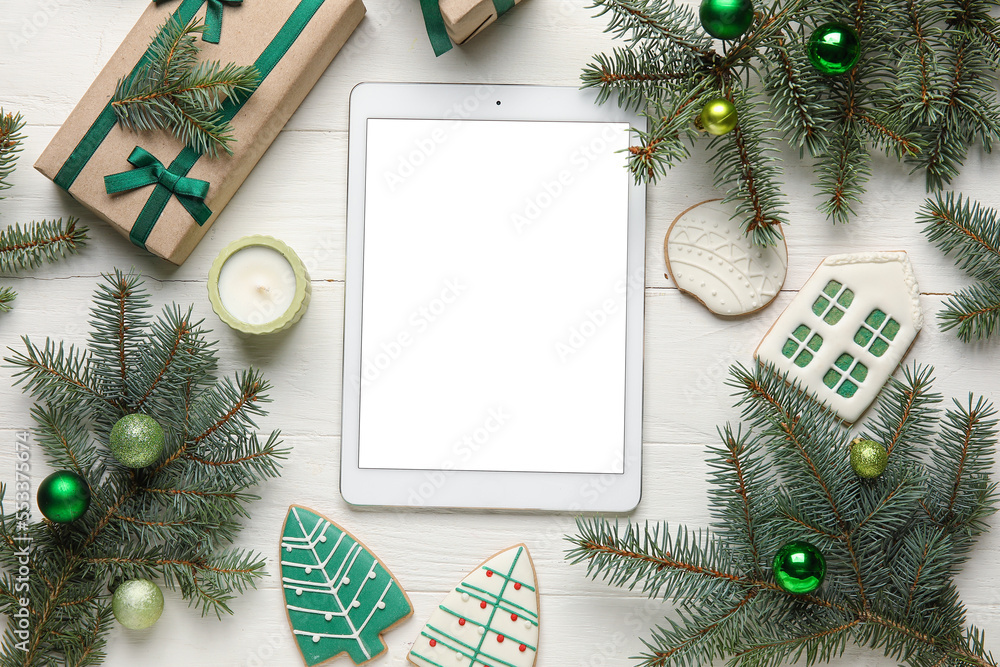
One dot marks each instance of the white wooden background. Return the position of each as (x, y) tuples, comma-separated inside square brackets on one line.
[(50, 51)]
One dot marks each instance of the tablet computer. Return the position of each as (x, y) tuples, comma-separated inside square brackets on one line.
[(494, 300)]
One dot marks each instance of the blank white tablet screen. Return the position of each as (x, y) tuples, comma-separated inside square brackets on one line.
[(493, 302)]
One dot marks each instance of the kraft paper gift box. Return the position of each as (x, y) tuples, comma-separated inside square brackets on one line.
[(464, 19), (291, 42), (458, 21)]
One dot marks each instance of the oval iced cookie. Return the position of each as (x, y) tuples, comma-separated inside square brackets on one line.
[(491, 618), (709, 257)]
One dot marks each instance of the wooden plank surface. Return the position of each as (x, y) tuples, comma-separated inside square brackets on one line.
[(50, 51)]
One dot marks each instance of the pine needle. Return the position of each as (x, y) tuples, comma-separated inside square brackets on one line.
[(46, 241), (176, 92)]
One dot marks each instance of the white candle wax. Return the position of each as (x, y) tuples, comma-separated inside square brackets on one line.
[(257, 284)]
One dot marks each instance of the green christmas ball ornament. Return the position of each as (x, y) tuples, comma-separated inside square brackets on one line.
[(136, 440), (868, 458), (726, 19), (799, 567), (63, 496), (834, 48), (718, 117), (137, 603)]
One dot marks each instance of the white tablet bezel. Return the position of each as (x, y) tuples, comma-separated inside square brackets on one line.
[(554, 491)]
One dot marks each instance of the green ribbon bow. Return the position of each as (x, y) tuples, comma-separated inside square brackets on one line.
[(190, 192), (213, 19), (434, 22)]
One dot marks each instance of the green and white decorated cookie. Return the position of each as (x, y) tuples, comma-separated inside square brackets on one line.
[(491, 618), (339, 596)]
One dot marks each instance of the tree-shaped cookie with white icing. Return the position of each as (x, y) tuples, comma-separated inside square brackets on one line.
[(339, 596), (489, 620)]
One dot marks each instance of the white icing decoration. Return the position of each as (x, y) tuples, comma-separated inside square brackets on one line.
[(347, 581), (298, 591), (381, 605), (371, 575), (309, 570), (315, 639), (328, 616), (880, 281), (483, 626), (758, 272)]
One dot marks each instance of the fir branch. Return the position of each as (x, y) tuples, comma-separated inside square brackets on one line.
[(970, 233), (747, 169), (10, 145), (177, 93), (7, 296), (45, 241), (174, 521), (890, 563)]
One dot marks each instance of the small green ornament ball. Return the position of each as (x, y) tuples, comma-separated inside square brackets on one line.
[(63, 496), (799, 567), (136, 441), (834, 48), (137, 603), (726, 19), (868, 458), (718, 117)]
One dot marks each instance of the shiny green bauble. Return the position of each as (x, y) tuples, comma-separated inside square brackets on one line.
[(718, 117), (63, 496), (726, 19), (799, 568), (137, 603), (834, 48), (136, 441), (868, 458)]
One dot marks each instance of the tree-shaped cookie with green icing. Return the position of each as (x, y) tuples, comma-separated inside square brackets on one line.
[(339, 596)]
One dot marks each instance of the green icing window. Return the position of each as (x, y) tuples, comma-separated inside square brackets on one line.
[(845, 376), (799, 345), (876, 334), (835, 300)]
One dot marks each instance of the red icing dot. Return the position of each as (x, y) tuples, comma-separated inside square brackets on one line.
[(489, 573), (522, 648), (433, 643), (482, 605), (461, 621), (500, 639), (517, 586), (513, 617)]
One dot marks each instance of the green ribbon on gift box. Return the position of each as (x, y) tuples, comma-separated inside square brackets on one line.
[(187, 158), (434, 22), (213, 19), (190, 192)]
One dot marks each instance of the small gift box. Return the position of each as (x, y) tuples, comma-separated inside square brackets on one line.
[(458, 21), (160, 193)]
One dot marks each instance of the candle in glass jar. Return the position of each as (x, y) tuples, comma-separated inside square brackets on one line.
[(258, 285)]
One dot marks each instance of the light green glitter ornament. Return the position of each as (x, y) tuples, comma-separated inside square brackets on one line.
[(136, 441), (137, 603), (868, 458)]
